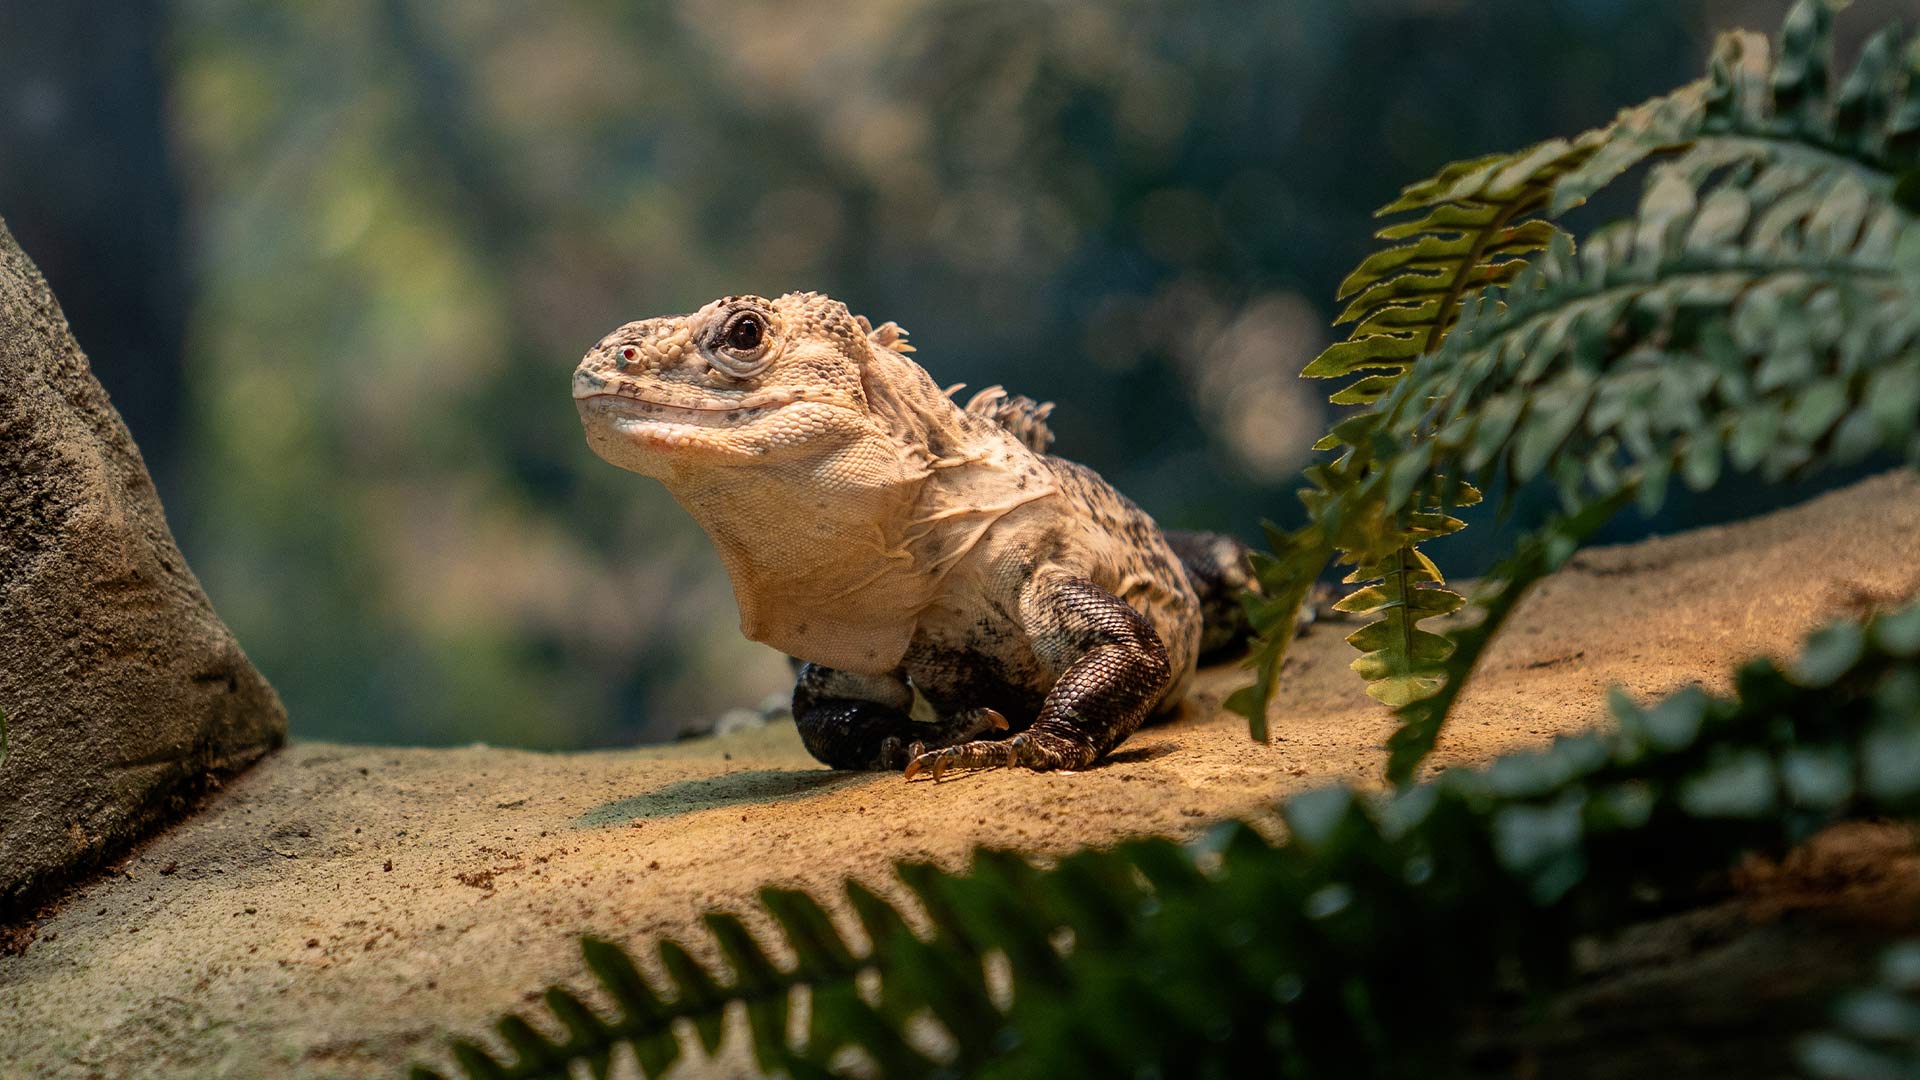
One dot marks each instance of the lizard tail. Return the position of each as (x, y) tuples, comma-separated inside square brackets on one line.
[(1218, 568)]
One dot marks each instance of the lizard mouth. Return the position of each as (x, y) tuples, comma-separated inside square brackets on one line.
[(627, 412), (621, 425)]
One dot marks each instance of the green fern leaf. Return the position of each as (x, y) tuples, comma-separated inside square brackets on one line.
[(645, 1021), (589, 1038), (1474, 234), (1399, 660), (1769, 279), (1285, 580)]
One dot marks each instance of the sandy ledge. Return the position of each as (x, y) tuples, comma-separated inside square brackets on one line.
[(340, 909)]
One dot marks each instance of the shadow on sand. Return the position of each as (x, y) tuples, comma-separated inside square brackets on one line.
[(1128, 754), (731, 789)]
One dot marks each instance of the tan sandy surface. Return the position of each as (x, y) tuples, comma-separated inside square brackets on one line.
[(340, 909)]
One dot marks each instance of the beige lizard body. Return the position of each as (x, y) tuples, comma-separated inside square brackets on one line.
[(895, 541)]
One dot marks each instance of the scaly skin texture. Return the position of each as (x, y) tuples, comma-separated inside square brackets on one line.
[(896, 542)]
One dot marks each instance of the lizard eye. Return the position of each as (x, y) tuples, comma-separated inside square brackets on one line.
[(743, 347), (746, 333)]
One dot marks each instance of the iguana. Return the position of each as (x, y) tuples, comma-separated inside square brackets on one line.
[(897, 542)]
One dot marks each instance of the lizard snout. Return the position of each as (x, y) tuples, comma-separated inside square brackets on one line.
[(620, 353), (587, 381)]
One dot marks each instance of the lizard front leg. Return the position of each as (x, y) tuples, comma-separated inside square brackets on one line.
[(1111, 670), (853, 721)]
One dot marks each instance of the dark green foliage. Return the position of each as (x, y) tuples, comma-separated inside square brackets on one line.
[(1471, 234), (1286, 577), (1359, 945), (1760, 312), (1876, 1032)]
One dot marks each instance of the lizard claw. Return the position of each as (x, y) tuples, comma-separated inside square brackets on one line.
[(971, 724), (974, 753), (1040, 751), (981, 754)]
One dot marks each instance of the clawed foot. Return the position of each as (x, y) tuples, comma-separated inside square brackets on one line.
[(961, 728), (1034, 750), (980, 754)]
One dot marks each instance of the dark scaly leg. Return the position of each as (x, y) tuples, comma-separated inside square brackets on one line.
[(1112, 671), (852, 721)]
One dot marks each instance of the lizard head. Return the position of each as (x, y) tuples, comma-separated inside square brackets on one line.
[(747, 381), (744, 380), (825, 464)]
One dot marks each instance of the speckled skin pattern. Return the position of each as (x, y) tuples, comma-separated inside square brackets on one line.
[(899, 543)]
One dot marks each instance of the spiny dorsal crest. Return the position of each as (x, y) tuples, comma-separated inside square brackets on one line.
[(888, 335), (1024, 417)]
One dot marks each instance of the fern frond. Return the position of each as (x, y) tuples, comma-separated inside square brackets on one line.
[(1399, 660), (1476, 230), (1757, 313), (1002, 908), (1779, 118), (1762, 323), (1286, 578), (823, 963), (1358, 945)]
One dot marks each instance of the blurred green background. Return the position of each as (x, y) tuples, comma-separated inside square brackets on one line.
[(335, 261)]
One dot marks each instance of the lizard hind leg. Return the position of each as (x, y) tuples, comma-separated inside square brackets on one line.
[(1112, 668)]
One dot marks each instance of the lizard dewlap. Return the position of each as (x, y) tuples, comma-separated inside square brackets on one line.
[(895, 541)]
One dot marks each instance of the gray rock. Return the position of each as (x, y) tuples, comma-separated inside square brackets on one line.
[(124, 695)]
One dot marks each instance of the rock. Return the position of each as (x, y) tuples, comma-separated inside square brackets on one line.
[(124, 695)]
